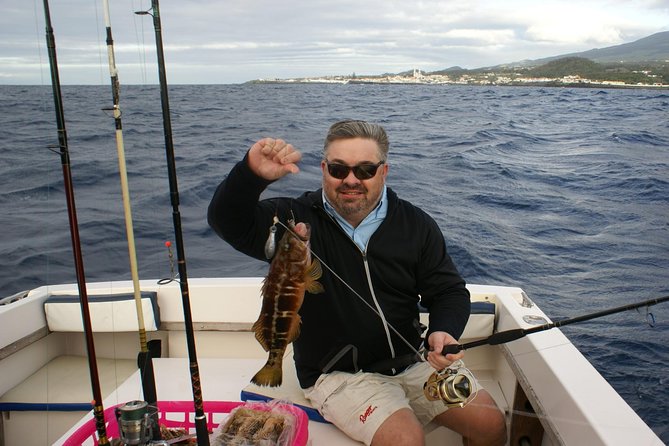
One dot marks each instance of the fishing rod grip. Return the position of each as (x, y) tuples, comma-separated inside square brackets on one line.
[(451, 349), (503, 337), (495, 339)]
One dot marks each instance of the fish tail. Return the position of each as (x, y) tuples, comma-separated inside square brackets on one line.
[(270, 375)]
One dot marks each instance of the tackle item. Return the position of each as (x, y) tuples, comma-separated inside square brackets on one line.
[(452, 385), (135, 426), (270, 244)]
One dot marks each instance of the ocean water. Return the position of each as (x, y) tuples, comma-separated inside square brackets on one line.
[(563, 192)]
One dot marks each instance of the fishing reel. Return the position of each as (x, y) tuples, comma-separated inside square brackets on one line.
[(452, 385), (135, 423)]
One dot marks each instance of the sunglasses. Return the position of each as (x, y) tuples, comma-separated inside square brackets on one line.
[(361, 171)]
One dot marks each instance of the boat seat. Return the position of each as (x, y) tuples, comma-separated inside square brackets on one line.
[(110, 313), (481, 322)]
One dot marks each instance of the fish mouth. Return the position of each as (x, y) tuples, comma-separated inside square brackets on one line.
[(302, 231)]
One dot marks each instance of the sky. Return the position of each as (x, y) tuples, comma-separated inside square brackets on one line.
[(212, 42)]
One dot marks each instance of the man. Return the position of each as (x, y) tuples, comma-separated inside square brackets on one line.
[(355, 360)]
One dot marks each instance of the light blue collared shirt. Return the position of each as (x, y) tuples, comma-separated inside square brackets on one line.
[(366, 228)]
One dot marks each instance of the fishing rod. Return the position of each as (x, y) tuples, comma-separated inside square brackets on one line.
[(455, 384), (144, 358), (98, 409), (511, 335), (200, 417)]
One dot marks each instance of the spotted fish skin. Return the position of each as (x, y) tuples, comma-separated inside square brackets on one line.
[(291, 273)]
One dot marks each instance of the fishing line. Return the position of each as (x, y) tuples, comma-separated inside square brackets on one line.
[(155, 183), (38, 41), (100, 51), (352, 290), (450, 384), (43, 101), (650, 317), (141, 43)]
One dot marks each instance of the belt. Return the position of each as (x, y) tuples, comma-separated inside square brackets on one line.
[(393, 366), (390, 366)]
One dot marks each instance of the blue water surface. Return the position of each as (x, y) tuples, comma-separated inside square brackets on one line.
[(563, 192)]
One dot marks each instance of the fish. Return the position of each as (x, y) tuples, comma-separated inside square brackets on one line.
[(291, 273)]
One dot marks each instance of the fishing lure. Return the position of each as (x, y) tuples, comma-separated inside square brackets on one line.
[(270, 244), (172, 278)]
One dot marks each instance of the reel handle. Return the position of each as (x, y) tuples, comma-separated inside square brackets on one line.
[(451, 349)]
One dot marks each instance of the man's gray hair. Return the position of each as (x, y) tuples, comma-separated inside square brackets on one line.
[(358, 129)]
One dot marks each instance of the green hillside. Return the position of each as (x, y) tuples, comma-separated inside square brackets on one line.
[(631, 73)]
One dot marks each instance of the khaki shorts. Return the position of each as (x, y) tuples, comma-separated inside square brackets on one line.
[(359, 403)]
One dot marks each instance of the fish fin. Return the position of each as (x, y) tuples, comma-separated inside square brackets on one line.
[(257, 328), (294, 329), (313, 273), (315, 288), (268, 376)]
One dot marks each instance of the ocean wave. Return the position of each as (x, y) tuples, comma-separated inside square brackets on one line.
[(560, 191)]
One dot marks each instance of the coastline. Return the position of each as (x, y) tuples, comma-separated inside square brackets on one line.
[(564, 83)]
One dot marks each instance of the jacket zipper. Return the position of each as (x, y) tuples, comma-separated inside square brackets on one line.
[(378, 307), (370, 286)]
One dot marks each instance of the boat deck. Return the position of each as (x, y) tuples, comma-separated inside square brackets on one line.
[(223, 380)]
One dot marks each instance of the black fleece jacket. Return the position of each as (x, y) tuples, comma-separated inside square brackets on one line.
[(406, 262)]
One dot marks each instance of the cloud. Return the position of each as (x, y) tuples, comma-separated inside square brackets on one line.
[(238, 40), (589, 23)]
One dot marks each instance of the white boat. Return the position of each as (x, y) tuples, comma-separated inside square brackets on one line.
[(550, 393)]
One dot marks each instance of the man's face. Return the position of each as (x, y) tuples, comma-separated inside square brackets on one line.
[(353, 198)]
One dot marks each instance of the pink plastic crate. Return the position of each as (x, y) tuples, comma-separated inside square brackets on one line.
[(181, 414)]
